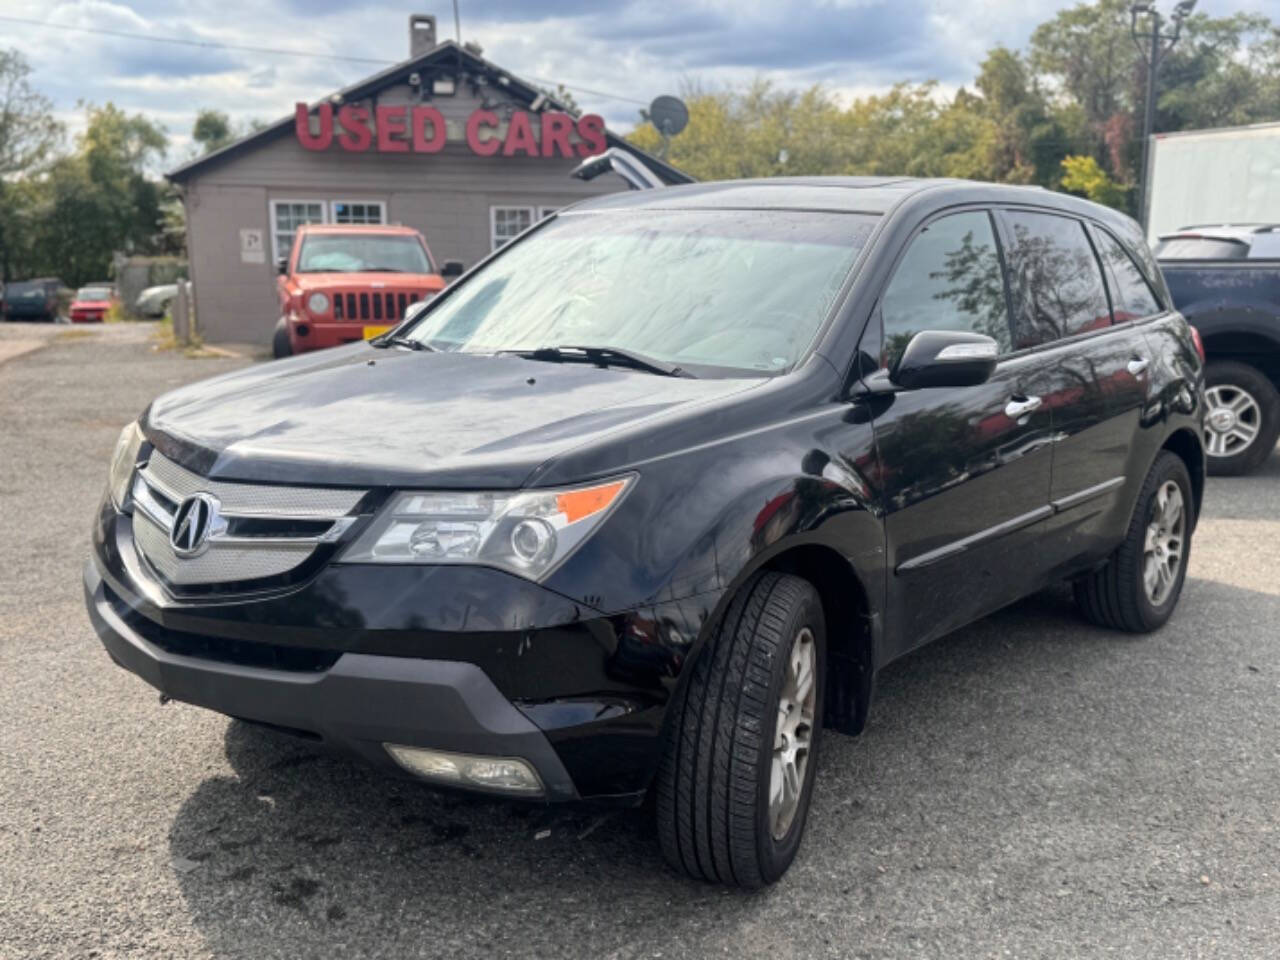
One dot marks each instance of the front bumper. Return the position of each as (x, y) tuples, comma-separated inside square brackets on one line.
[(358, 704)]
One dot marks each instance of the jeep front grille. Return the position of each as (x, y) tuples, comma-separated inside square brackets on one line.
[(386, 305), (245, 532)]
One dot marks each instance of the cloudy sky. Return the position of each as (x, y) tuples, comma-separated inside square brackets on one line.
[(614, 55)]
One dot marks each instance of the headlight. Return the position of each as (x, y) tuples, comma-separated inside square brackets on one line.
[(318, 303), (123, 460), (530, 532)]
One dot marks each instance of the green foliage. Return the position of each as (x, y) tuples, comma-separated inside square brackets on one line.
[(1084, 177), (73, 211), (1076, 92), (212, 130)]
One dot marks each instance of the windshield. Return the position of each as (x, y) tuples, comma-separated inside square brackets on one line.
[(358, 253), (744, 289), (101, 294)]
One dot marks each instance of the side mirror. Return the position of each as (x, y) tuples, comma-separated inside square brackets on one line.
[(282, 266), (452, 269), (945, 358)]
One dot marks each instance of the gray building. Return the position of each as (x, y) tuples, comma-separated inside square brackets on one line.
[(445, 142)]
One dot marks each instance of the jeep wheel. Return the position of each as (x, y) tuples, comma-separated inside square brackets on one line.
[(280, 345), (736, 779), (1243, 419), (1139, 587)]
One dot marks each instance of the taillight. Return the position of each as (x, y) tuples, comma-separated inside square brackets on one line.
[(1195, 338)]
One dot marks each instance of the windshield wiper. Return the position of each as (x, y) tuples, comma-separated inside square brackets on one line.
[(380, 270), (604, 357), (402, 342)]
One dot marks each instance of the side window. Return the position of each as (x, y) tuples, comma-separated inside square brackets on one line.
[(1131, 295), (1055, 278), (949, 279)]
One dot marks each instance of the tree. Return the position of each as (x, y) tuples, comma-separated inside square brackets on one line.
[(1083, 176), (29, 134), (212, 130)]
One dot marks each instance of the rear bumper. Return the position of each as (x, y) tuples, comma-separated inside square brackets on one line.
[(358, 704)]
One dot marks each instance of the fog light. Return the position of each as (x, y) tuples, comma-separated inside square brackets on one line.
[(497, 774)]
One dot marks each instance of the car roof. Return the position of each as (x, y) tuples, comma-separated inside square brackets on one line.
[(873, 195), (358, 228)]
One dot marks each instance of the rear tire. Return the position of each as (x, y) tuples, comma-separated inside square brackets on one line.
[(736, 778), (280, 345), (1243, 420), (1138, 588)]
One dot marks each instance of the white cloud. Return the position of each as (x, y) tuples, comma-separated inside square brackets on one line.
[(635, 49)]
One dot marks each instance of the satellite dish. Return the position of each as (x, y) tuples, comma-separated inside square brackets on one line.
[(669, 115)]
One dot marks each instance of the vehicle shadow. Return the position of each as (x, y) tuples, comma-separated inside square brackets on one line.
[(981, 739)]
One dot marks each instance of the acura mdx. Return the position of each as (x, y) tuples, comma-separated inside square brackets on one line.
[(646, 500)]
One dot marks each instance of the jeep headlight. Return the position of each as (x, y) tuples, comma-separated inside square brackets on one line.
[(528, 532), (123, 460), (318, 303)]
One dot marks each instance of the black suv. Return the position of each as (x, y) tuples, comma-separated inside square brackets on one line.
[(649, 497)]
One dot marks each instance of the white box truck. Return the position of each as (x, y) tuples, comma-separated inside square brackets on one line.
[(1201, 177)]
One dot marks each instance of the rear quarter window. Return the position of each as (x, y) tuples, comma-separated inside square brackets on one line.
[(1131, 295)]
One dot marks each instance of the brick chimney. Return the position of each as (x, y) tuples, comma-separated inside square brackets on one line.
[(422, 34)]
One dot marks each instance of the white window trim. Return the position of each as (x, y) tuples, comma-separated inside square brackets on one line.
[(531, 209), (332, 212), (275, 231)]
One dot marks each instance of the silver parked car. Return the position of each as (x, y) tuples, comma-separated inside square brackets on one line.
[(154, 301)]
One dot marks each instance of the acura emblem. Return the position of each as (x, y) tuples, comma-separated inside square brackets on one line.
[(192, 523)]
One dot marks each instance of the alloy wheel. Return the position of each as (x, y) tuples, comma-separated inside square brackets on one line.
[(1163, 545), (793, 735), (1234, 420)]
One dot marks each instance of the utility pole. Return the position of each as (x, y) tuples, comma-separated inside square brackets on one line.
[(1160, 44)]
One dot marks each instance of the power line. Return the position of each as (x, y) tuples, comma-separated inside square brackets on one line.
[(274, 51)]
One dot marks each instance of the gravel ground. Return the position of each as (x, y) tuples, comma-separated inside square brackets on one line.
[(1028, 787)]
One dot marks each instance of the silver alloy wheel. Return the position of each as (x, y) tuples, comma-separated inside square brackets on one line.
[(794, 733), (1234, 420), (1162, 547)]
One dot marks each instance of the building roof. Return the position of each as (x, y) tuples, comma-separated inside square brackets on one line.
[(449, 55)]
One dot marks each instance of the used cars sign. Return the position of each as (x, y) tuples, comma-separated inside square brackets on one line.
[(422, 129)]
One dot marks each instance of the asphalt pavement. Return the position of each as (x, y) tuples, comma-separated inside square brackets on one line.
[(1029, 786)]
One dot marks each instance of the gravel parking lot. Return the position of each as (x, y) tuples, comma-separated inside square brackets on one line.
[(1029, 786)]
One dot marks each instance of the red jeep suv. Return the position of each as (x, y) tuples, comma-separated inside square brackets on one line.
[(347, 283)]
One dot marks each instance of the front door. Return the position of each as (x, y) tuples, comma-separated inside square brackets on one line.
[(964, 472)]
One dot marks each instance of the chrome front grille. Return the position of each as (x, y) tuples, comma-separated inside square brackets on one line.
[(249, 531)]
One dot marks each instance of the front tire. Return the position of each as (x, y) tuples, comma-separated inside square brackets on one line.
[(1243, 419), (1138, 588), (737, 775), (280, 345)]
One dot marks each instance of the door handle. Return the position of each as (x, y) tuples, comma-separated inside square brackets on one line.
[(1017, 408), (1138, 365)]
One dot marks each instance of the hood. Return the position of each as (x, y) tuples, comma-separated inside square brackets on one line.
[(309, 282), (362, 416), (103, 305)]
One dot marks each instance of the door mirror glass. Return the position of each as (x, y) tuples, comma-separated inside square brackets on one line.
[(945, 358), (452, 269)]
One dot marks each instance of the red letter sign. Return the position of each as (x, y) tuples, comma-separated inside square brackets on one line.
[(556, 128), (302, 126), (520, 136), (421, 117), (391, 120), (485, 148), (356, 135), (591, 132)]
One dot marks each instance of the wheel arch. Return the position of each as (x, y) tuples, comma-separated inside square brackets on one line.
[(1185, 444)]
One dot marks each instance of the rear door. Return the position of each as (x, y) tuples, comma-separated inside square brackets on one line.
[(964, 472), (1098, 373)]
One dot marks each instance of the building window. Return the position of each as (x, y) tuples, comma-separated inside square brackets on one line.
[(505, 223), (287, 216), (360, 211), (544, 212)]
